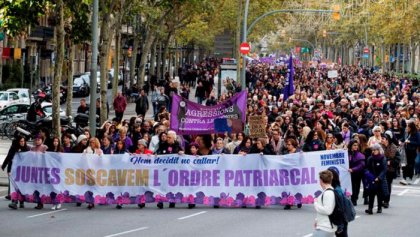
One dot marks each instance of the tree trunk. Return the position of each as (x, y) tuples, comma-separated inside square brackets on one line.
[(3, 44), (176, 64), (404, 53), (166, 53), (389, 49), (152, 64), (159, 62), (104, 47), (146, 49), (397, 59), (412, 55), (116, 62), (58, 70), (69, 98), (133, 58)]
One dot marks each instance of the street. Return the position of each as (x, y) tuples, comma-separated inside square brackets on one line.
[(106, 221)]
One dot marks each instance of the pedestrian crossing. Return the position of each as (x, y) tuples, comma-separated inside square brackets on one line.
[(407, 190)]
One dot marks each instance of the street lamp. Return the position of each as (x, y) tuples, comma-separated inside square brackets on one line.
[(125, 52)]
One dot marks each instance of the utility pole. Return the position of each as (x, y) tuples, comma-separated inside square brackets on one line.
[(244, 35), (94, 69)]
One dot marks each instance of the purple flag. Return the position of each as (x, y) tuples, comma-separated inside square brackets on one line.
[(288, 87), (188, 117)]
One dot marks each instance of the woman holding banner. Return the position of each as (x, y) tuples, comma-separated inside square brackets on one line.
[(18, 145), (261, 147), (245, 147), (291, 147), (94, 147), (313, 142), (356, 168)]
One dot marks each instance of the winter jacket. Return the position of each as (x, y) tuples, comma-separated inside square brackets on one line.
[(166, 148), (376, 166), (356, 162), (324, 206), (393, 157), (10, 155), (315, 145), (120, 103)]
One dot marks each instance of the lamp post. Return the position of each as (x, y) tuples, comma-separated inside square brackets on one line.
[(124, 51)]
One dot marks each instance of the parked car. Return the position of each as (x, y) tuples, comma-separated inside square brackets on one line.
[(13, 113), (23, 94), (47, 108), (81, 86), (111, 74), (8, 98), (19, 111)]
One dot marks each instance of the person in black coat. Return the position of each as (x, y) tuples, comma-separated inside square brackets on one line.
[(18, 145), (262, 147), (142, 104), (376, 178)]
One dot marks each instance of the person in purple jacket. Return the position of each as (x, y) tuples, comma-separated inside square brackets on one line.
[(356, 168)]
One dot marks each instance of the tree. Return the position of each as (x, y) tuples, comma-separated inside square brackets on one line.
[(111, 16), (58, 69), (77, 18)]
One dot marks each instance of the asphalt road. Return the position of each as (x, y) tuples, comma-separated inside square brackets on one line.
[(401, 219)]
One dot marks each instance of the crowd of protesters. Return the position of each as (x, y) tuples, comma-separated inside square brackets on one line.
[(374, 116)]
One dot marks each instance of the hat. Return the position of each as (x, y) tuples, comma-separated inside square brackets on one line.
[(142, 142), (38, 136), (80, 138)]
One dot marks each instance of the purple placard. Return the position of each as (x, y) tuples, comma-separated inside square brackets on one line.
[(188, 117)]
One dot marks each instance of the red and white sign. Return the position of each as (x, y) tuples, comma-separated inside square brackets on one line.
[(366, 50), (244, 48)]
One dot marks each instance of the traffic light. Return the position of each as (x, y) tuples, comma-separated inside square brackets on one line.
[(324, 33), (336, 12)]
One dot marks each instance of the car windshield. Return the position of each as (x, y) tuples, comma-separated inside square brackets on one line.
[(3, 97), (48, 109), (78, 82)]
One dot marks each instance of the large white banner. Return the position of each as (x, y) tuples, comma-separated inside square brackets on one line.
[(225, 180)]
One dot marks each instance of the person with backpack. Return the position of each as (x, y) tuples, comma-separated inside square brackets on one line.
[(324, 206), (348, 209)]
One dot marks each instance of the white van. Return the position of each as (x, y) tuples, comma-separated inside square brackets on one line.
[(23, 94)]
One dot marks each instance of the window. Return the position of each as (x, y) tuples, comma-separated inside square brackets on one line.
[(4, 96), (14, 96), (47, 109), (12, 109), (23, 108)]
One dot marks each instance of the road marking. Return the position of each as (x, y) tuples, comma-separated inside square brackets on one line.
[(403, 192), (46, 213), (417, 181), (308, 235), (127, 232), (196, 214), (357, 217)]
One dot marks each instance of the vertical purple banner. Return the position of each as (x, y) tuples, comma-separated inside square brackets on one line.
[(191, 118)]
